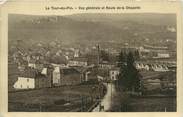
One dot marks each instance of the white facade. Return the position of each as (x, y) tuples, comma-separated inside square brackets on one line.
[(159, 68), (56, 75), (154, 67), (32, 65), (163, 55), (44, 71), (76, 53), (142, 66), (114, 74), (86, 75), (24, 83), (77, 63)]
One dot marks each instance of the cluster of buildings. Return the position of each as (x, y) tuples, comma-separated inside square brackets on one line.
[(159, 66), (148, 51), (36, 71), (48, 77), (57, 75), (58, 66)]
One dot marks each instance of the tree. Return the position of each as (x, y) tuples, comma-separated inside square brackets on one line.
[(104, 55), (137, 55), (129, 77), (121, 59)]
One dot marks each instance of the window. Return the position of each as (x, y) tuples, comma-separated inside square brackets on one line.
[(27, 80), (27, 86), (21, 86)]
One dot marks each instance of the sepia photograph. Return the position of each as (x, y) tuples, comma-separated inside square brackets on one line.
[(92, 62)]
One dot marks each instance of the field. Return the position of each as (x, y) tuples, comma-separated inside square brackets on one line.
[(154, 98), (152, 104), (126, 103), (61, 99)]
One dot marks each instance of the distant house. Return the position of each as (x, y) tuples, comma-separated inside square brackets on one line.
[(106, 65), (32, 79), (103, 74), (151, 66), (56, 76), (161, 68), (113, 73), (90, 73), (32, 63), (141, 66), (36, 64), (70, 76), (78, 61), (76, 53), (163, 55), (66, 76)]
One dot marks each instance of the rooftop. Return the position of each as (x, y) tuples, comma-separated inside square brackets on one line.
[(82, 59), (68, 71)]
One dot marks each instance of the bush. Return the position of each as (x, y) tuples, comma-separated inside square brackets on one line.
[(60, 102)]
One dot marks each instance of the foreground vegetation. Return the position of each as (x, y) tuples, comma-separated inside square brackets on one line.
[(61, 99)]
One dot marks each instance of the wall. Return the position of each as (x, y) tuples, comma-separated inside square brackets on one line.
[(71, 79), (24, 83)]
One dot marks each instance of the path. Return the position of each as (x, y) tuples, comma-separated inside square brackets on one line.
[(106, 102)]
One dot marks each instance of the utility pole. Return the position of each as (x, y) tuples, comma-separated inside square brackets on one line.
[(98, 57), (40, 108), (165, 109), (81, 103), (111, 91)]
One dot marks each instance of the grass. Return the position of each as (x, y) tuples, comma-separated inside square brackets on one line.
[(159, 102), (152, 104), (153, 74), (122, 102), (46, 99)]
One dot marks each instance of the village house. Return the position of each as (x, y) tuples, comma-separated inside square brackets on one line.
[(66, 76), (33, 79), (151, 66), (78, 61), (103, 74), (56, 76), (32, 63), (88, 73), (36, 64), (161, 68), (70, 76), (113, 73), (141, 66), (22, 64), (76, 53), (163, 55), (106, 65)]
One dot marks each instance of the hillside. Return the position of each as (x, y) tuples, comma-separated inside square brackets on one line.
[(92, 28)]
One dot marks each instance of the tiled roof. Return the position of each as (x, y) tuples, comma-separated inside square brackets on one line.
[(29, 73), (32, 61), (68, 71), (82, 59), (81, 69)]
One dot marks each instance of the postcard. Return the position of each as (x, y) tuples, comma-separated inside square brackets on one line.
[(91, 58)]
